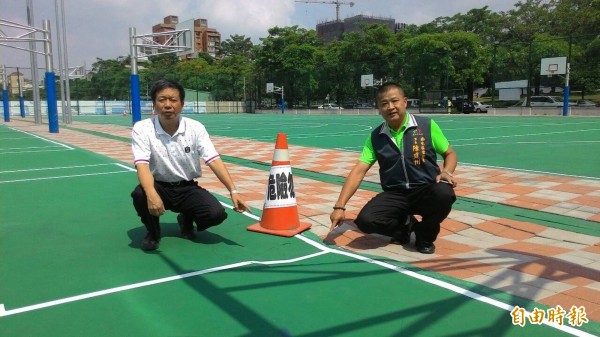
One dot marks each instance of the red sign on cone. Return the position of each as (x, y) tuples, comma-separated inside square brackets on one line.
[(280, 212)]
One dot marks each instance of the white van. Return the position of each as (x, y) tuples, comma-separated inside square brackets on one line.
[(545, 101)]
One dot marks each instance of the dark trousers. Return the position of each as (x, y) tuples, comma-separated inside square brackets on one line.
[(194, 202), (388, 211)]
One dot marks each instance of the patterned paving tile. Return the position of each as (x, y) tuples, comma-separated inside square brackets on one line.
[(455, 267), (579, 296), (560, 271)]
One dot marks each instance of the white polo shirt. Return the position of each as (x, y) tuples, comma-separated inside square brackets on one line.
[(172, 158)]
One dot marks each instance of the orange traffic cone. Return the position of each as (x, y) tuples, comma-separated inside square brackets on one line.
[(280, 213)]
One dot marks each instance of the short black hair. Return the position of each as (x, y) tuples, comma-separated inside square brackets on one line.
[(164, 83), (387, 86)]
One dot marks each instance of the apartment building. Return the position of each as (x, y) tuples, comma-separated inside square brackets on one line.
[(206, 39), (13, 84)]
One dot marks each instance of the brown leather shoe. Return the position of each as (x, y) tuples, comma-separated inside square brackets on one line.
[(186, 227)]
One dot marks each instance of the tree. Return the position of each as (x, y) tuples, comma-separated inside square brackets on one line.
[(111, 79), (236, 45), (575, 17), (287, 58), (528, 19)]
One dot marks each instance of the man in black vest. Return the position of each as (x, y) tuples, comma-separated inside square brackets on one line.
[(406, 148)]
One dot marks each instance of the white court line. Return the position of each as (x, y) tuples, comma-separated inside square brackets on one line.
[(62, 177), (528, 134), (126, 167), (57, 168), (531, 142), (358, 149), (441, 284), (427, 279), (149, 283), (19, 152), (29, 148), (44, 139), (323, 250), (531, 171), (15, 138)]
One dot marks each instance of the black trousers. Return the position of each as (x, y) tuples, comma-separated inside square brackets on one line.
[(192, 201), (388, 211)]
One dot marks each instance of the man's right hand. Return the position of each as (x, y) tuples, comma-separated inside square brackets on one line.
[(337, 218), (155, 204)]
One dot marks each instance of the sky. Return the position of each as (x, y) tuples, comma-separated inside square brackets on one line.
[(100, 28)]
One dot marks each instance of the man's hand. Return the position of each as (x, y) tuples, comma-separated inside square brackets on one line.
[(155, 204), (446, 177), (239, 205), (337, 218)]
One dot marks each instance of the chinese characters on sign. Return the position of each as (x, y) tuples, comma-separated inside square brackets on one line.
[(576, 316), (280, 188)]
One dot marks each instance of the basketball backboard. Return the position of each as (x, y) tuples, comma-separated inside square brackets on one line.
[(366, 80), (553, 66), (186, 38), (269, 88)]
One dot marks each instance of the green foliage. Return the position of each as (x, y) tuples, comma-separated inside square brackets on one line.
[(459, 53), (111, 79), (236, 45)]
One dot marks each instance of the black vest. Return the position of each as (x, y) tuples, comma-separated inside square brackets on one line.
[(414, 166)]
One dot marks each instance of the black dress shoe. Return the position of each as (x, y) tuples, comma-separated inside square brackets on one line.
[(402, 236), (425, 247), (149, 243), (186, 226)]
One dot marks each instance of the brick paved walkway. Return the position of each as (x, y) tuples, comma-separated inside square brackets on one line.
[(548, 265)]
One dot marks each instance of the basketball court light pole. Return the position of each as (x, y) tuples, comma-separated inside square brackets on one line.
[(136, 107), (50, 81), (282, 98), (37, 105), (21, 98), (5, 96), (566, 91)]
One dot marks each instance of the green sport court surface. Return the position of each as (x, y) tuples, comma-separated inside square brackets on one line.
[(71, 263)]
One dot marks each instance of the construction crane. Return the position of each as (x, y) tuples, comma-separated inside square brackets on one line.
[(336, 3)]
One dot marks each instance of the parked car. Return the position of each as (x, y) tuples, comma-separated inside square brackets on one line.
[(480, 107), (329, 106), (546, 101), (464, 106), (586, 103), (364, 106)]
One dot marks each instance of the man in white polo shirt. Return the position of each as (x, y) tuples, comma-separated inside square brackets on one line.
[(167, 150)]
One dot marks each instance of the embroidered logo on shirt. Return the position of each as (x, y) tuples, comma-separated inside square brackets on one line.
[(187, 149)]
